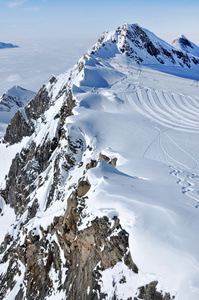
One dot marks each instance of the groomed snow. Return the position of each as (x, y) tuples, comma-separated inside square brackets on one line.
[(149, 121)]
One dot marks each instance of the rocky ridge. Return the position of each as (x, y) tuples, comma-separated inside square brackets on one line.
[(61, 247), (60, 259)]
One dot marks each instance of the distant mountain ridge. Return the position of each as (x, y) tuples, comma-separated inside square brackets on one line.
[(11, 101), (7, 45)]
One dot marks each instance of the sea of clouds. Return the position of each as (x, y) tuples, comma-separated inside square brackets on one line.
[(34, 62)]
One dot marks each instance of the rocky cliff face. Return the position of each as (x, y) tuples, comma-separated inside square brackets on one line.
[(60, 259)]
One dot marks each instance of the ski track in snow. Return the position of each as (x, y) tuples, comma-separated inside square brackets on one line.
[(163, 108), (170, 110), (175, 111)]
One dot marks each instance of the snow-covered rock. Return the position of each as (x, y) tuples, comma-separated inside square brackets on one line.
[(99, 180)]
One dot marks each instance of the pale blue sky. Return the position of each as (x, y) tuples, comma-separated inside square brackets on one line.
[(24, 19)]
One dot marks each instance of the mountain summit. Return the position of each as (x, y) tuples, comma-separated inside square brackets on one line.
[(145, 48), (184, 44), (99, 186)]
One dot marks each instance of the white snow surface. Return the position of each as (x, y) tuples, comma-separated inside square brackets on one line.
[(149, 120)]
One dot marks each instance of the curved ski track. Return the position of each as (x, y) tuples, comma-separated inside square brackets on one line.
[(169, 111)]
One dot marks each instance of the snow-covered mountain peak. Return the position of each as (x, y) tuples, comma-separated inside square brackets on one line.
[(143, 47), (20, 93), (14, 99), (184, 44), (16, 96)]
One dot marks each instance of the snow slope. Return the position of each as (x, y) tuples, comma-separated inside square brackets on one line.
[(148, 120), (14, 99)]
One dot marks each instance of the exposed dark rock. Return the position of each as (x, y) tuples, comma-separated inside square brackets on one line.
[(83, 188), (38, 105), (102, 243), (24, 170), (53, 79), (104, 157), (21, 125), (31, 162), (107, 159), (149, 292), (81, 66), (91, 164), (20, 295), (18, 128), (7, 241)]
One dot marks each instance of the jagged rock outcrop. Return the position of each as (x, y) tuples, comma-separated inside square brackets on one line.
[(22, 124), (102, 243), (18, 128), (27, 166), (149, 292), (107, 159), (86, 253), (24, 171)]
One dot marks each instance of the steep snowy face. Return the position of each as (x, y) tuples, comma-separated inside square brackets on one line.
[(184, 44), (145, 48), (10, 102)]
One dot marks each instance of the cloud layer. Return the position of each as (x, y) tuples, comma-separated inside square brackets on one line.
[(32, 64)]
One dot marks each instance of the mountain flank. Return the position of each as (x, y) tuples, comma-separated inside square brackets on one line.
[(99, 187)]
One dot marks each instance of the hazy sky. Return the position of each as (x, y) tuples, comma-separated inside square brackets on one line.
[(23, 19), (53, 34)]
